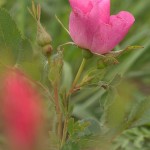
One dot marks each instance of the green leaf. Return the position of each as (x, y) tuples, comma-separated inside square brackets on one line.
[(133, 47), (140, 113), (67, 76), (10, 37), (32, 68), (93, 127), (116, 80), (2, 2), (118, 53), (71, 126), (77, 129), (108, 97), (26, 52), (71, 146)]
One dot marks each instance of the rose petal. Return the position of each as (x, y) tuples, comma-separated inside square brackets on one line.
[(93, 28), (98, 9), (83, 6), (109, 35), (82, 26)]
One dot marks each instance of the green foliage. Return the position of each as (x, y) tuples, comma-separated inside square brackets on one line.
[(55, 69), (140, 113), (16, 49), (77, 134), (116, 97), (10, 37), (136, 138), (12, 44)]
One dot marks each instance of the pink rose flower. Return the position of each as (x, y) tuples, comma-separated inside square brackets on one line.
[(91, 26), (21, 111)]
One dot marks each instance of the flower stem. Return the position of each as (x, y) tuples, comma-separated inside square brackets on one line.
[(77, 76), (58, 111), (64, 132), (56, 99), (64, 135)]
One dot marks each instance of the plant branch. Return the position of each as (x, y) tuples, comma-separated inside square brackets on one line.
[(64, 131), (77, 76), (58, 111)]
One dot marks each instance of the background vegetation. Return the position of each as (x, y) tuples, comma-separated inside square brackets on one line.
[(134, 67)]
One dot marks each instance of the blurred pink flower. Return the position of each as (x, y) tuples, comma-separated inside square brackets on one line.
[(91, 26), (22, 113)]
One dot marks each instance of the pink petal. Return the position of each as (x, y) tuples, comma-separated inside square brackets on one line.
[(98, 9), (91, 26), (83, 6), (102, 8), (83, 26), (109, 35), (81, 30)]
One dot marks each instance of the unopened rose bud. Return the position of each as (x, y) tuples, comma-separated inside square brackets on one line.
[(44, 40), (47, 49)]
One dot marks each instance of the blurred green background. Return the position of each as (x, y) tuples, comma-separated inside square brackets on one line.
[(134, 66)]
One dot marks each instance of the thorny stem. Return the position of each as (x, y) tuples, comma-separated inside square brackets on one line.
[(64, 136), (57, 106), (62, 130)]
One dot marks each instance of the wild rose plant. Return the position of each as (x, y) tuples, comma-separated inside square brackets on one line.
[(95, 32)]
